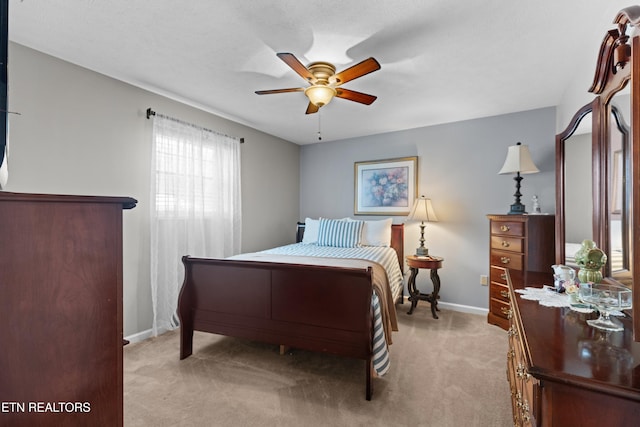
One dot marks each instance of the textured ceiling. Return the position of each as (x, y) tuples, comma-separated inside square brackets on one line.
[(442, 60)]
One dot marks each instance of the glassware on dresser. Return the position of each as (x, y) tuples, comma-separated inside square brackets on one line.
[(605, 298)]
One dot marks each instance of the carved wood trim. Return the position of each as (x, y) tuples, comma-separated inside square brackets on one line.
[(604, 66), (612, 72)]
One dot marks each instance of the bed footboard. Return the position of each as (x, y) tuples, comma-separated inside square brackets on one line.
[(316, 308)]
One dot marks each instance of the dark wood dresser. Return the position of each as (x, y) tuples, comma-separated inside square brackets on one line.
[(563, 372), (61, 304), (523, 244)]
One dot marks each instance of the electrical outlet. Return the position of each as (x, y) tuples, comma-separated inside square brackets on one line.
[(484, 280)]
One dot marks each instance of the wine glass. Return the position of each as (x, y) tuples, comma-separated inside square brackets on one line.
[(605, 298)]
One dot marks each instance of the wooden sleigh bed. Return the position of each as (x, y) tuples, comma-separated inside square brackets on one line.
[(311, 307)]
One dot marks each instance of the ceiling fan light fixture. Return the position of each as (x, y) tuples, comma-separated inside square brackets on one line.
[(325, 83), (320, 95)]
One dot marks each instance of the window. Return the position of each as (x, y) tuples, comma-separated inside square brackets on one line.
[(196, 210)]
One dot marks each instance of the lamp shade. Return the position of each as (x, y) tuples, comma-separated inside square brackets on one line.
[(319, 94), (422, 210), (518, 160)]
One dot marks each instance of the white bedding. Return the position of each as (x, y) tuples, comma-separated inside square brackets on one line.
[(385, 256)]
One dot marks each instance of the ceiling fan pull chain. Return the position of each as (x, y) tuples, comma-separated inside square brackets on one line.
[(319, 129)]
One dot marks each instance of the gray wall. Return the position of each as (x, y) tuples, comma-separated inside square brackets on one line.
[(80, 132), (458, 169)]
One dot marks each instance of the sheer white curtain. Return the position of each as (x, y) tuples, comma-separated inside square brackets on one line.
[(195, 206)]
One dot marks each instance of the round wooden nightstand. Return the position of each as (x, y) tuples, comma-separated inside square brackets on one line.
[(432, 263)]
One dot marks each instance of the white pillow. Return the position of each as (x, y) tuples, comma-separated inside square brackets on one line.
[(377, 233), (311, 228)]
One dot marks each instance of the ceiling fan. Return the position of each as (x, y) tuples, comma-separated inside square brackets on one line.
[(325, 83)]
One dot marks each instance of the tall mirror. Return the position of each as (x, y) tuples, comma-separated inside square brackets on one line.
[(580, 217), (574, 186), (618, 189), (614, 176)]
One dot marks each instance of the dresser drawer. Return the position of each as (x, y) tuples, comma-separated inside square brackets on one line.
[(512, 261), (525, 400), (500, 308), (509, 228), (498, 275), (530, 399), (499, 291), (512, 244)]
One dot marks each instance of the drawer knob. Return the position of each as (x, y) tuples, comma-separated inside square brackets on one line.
[(504, 294), (522, 373), (526, 417), (505, 244), (504, 227), (505, 259), (503, 276)]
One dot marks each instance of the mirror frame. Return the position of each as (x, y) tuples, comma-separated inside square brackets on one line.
[(618, 65), (634, 176), (602, 226), (600, 171), (561, 139)]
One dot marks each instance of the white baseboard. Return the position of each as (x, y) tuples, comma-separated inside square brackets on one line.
[(463, 308), (457, 307), (140, 336), (143, 335)]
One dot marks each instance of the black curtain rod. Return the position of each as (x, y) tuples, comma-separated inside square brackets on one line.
[(150, 113)]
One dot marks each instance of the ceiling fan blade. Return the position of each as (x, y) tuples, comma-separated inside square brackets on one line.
[(312, 108), (352, 95), (297, 66), (360, 69), (268, 92)]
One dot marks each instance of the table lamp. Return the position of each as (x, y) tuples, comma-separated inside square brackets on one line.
[(422, 211), (518, 161)]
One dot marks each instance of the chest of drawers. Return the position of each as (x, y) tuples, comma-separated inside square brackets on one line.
[(522, 244), (61, 298)]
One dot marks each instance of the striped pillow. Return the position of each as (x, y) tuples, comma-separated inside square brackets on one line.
[(339, 234)]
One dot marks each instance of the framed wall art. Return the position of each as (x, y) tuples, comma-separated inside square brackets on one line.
[(385, 187)]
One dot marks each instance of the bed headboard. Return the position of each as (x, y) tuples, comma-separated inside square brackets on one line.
[(397, 239), (397, 242), (299, 232)]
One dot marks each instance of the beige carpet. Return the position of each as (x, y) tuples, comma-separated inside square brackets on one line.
[(446, 372)]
